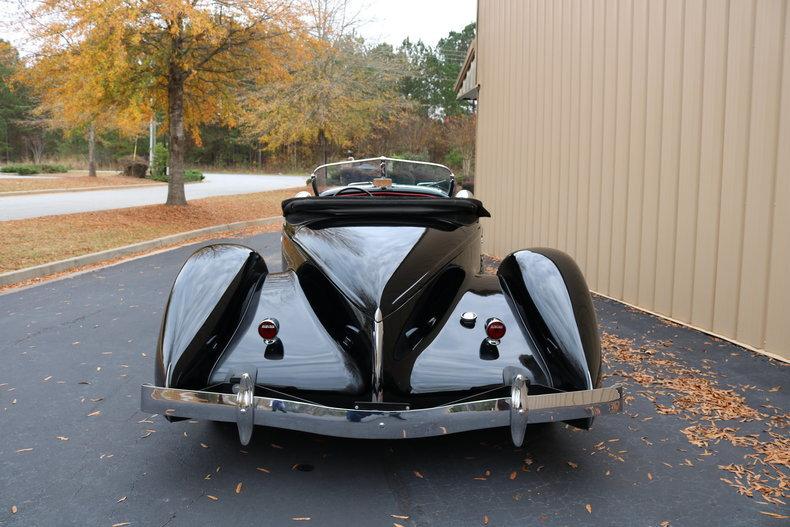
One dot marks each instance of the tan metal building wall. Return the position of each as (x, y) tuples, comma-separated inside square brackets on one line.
[(651, 141)]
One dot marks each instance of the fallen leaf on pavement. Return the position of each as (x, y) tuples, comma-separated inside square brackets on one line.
[(589, 508), (775, 515), (418, 474), (212, 498), (63, 438), (399, 516), (485, 519), (121, 499), (513, 475), (239, 487), (265, 470), (572, 464), (94, 413), (13, 509), (301, 518)]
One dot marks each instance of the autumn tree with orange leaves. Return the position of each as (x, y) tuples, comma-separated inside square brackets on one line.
[(116, 63), (340, 92)]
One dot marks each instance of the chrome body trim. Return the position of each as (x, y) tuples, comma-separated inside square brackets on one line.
[(519, 409), (378, 355), (245, 398), (381, 158), (515, 411)]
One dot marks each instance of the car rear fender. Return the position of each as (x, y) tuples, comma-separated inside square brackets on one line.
[(206, 303), (554, 303)]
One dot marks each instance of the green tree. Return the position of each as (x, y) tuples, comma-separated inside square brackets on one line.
[(433, 73), (16, 103)]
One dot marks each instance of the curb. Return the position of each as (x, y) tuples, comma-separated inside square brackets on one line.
[(158, 184), (75, 189), (60, 266)]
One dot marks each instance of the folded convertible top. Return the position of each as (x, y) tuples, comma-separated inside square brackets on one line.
[(329, 210)]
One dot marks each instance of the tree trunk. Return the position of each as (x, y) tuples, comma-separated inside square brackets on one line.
[(175, 102), (92, 150), (322, 141)]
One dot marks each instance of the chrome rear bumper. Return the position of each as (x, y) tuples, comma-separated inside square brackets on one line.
[(247, 410)]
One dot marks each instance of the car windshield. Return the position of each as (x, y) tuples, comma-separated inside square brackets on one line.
[(403, 173)]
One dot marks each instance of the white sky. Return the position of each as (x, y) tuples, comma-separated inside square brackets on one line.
[(388, 21), (427, 20)]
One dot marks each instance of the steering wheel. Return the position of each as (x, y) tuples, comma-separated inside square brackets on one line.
[(356, 189)]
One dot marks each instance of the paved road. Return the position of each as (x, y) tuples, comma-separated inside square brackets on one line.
[(35, 205), (83, 345)]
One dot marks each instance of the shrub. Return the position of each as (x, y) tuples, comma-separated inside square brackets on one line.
[(190, 175), (193, 175), (30, 169), (52, 169), (22, 170), (161, 159), (454, 159)]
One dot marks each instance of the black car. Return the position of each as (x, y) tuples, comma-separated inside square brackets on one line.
[(382, 323)]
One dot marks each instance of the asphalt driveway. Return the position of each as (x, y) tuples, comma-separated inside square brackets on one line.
[(76, 450), (44, 204)]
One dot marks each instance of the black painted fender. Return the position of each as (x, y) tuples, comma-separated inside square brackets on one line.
[(206, 304), (554, 303)]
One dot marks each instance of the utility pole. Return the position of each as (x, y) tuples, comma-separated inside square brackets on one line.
[(151, 145)]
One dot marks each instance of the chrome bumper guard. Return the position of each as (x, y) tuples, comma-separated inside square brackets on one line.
[(247, 410)]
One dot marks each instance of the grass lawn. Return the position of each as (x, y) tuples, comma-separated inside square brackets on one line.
[(72, 180), (35, 241)]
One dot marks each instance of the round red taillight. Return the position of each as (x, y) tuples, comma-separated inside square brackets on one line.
[(495, 328), (268, 329)]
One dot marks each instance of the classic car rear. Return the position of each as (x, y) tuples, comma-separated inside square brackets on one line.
[(382, 323)]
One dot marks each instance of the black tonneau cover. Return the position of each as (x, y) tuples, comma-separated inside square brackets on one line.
[(327, 210)]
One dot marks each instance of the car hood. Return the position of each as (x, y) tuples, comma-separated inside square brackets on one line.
[(381, 266)]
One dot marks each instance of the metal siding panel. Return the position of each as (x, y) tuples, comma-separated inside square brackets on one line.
[(502, 73), (485, 116), (777, 330), (711, 158), (761, 170), (655, 84), (585, 136), (610, 108), (565, 102), (670, 148), (556, 125), (644, 138), (733, 189), (540, 136), (548, 127), (574, 175), (532, 131), (690, 141), (596, 157), (622, 146), (517, 63), (636, 166)]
